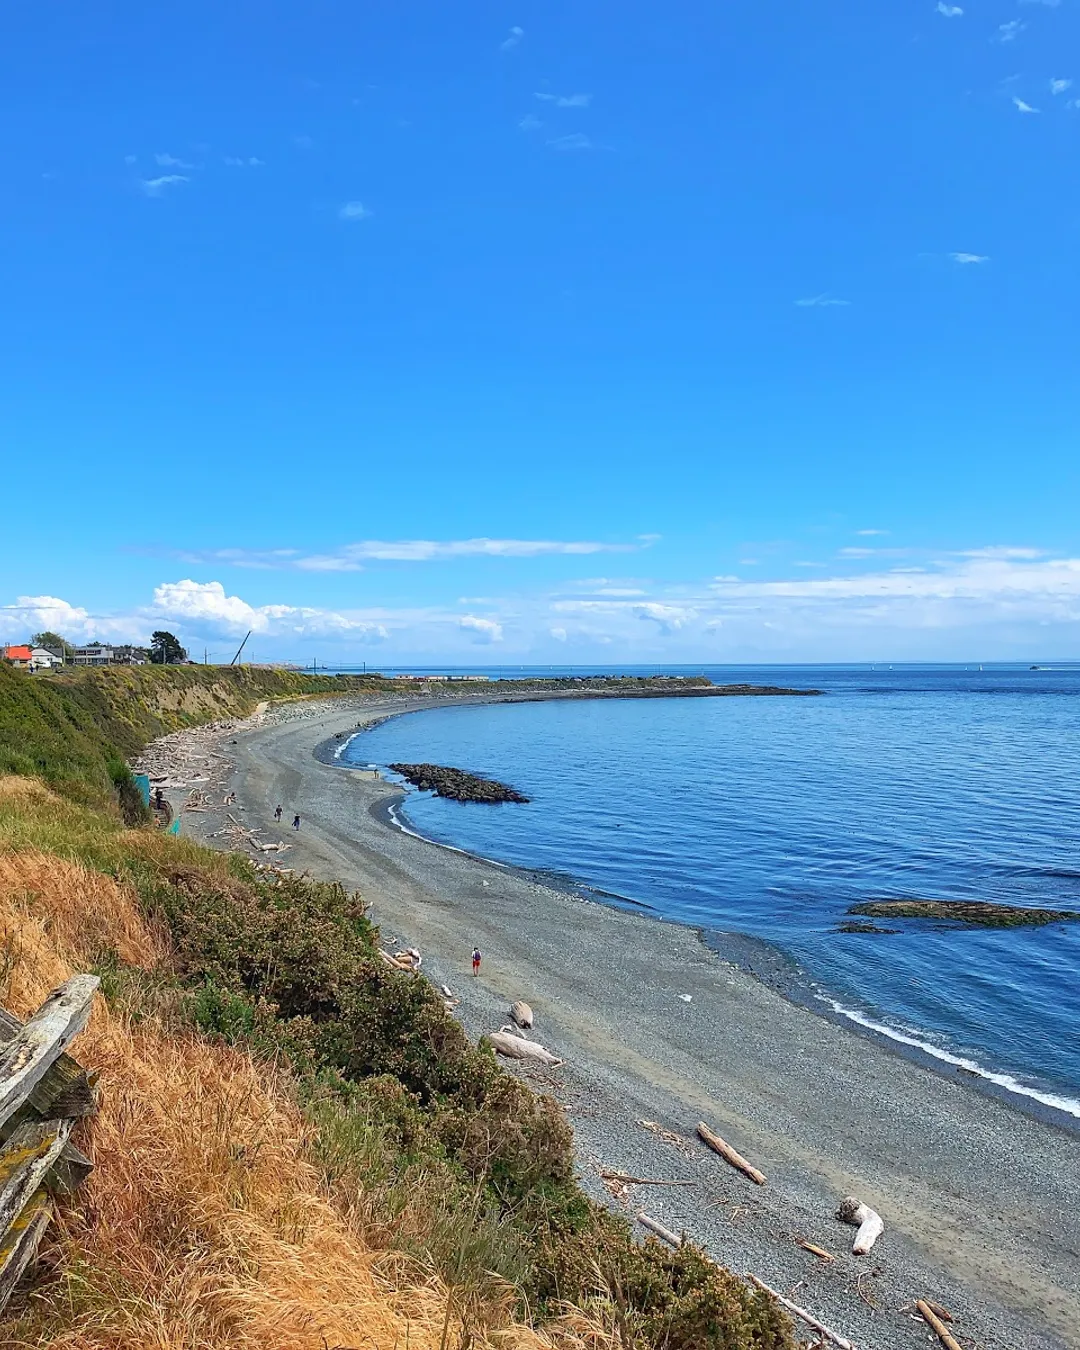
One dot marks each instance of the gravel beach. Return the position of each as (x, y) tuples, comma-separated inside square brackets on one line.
[(981, 1201)]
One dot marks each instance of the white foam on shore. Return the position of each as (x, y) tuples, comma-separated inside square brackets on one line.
[(396, 820), (1068, 1105), (345, 744)]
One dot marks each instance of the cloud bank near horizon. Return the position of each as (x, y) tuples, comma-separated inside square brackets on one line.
[(989, 602)]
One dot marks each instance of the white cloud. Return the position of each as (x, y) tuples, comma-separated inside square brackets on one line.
[(966, 258), (1009, 32), (670, 618), (1059, 86), (567, 100), (32, 613), (995, 576), (949, 11), (204, 605), (352, 557), (513, 38), (353, 211), (1004, 552), (530, 123), (869, 532), (240, 162), (154, 187), (1050, 4), (824, 301), (1023, 107), (576, 141), (484, 630), (559, 634), (171, 162)]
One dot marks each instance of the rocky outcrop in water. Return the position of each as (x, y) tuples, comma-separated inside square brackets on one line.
[(974, 913), (456, 784)]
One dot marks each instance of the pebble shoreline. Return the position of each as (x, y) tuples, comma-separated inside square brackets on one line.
[(980, 1202)]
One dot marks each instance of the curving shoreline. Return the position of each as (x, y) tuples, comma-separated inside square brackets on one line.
[(823, 1109), (764, 961)]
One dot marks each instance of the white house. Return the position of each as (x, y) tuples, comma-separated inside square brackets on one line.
[(93, 656), (42, 659)]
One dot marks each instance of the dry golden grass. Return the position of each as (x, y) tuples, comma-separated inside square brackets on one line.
[(204, 1225)]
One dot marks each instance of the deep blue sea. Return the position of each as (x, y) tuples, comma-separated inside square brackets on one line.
[(770, 816)]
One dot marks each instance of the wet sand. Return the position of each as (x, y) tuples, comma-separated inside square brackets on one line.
[(981, 1201)]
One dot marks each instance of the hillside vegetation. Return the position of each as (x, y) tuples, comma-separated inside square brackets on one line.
[(75, 728), (297, 1146)]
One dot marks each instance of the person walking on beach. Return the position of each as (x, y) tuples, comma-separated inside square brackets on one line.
[(277, 815), (296, 821), (476, 955)]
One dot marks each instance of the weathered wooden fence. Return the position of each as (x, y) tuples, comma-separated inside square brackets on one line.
[(43, 1093)]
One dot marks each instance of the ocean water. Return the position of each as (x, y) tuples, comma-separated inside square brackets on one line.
[(770, 816)]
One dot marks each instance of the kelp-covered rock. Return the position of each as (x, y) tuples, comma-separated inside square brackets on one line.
[(974, 913)]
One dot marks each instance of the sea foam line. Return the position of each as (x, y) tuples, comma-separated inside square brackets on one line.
[(395, 819), (345, 744), (1069, 1105)]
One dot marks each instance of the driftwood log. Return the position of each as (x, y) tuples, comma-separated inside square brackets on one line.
[(808, 1246), (808, 1318), (522, 1014), (934, 1322), (729, 1154), (655, 1226), (868, 1221), (517, 1047)]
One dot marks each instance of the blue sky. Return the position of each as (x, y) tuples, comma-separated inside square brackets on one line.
[(544, 331)]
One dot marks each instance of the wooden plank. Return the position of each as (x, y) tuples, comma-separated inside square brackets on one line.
[(29, 1055), (19, 1245), (66, 1090), (25, 1159), (69, 1171)]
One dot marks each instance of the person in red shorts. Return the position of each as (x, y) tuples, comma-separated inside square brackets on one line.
[(476, 955)]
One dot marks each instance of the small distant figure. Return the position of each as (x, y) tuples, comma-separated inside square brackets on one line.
[(476, 958), (277, 815), (296, 821)]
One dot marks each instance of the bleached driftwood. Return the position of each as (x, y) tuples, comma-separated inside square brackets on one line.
[(447, 992), (517, 1047), (868, 1221), (654, 1226), (934, 1322), (808, 1318), (729, 1154), (522, 1014)]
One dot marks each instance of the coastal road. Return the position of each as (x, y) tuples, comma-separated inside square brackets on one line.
[(981, 1201)]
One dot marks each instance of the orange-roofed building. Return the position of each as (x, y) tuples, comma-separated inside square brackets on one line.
[(19, 656)]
